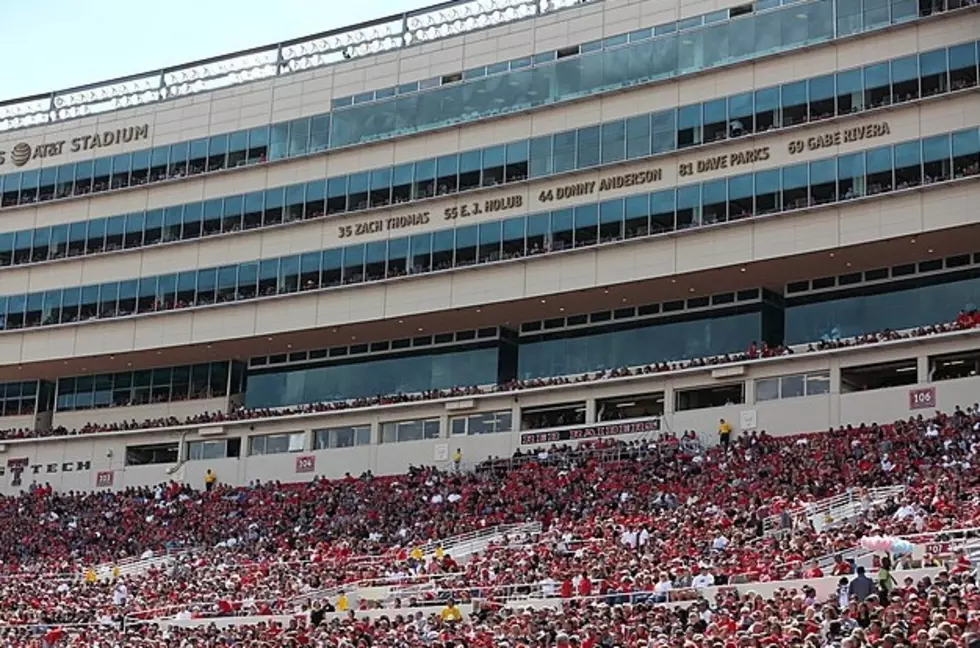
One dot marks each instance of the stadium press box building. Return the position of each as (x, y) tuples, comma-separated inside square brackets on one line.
[(480, 193)]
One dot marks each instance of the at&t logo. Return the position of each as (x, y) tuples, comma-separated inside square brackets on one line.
[(19, 155)]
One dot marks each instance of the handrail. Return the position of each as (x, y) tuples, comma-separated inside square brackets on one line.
[(136, 564), (688, 594), (525, 528), (845, 501)]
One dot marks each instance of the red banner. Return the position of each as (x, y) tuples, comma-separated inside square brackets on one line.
[(922, 398), (305, 464)]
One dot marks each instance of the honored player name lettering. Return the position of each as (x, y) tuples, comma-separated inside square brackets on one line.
[(838, 137), (391, 223), (723, 161), (574, 190), (631, 179), (589, 187), (488, 206)]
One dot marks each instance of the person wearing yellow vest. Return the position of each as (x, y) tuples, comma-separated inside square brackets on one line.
[(440, 554), (457, 459), (115, 572), (342, 604), (451, 613), (90, 576), (209, 479), (416, 553), (724, 433)]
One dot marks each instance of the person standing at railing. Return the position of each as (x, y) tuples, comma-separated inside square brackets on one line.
[(886, 582), (724, 434), (861, 587), (457, 459), (209, 480)]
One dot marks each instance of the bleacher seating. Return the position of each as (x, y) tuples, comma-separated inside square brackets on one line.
[(624, 528)]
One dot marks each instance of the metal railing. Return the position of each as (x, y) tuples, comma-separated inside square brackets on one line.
[(840, 507), (466, 544), (140, 564)]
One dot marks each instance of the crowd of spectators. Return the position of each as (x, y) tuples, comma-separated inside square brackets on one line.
[(966, 320), (617, 518), (939, 612)]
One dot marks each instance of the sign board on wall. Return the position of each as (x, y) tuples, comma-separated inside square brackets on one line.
[(598, 431), (441, 452), (104, 479), (24, 152), (305, 464), (922, 398), (748, 420)]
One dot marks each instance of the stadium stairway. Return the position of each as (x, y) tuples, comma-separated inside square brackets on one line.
[(462, 546), (138, 565), (834, 510)]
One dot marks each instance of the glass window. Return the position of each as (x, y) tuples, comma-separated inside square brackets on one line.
[(482, 423), (895, 310), (342, 437), (276, 443), (401, 431), (648, 344), (341, 382), (766, 389)]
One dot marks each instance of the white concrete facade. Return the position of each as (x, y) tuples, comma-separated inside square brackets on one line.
[(944, 211)]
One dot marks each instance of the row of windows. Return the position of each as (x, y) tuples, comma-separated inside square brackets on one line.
[(853, 17), (636, 63), (342, 437), (276, 443), (633, 138), (790, 104), (209, 449), (906, 270), (502, 67), (418, 430), (482, 423), (18, 398), (323, 439), (648, 344), (123, 389), (260, 445), (811, 384), (909, 164), (556, 354), (380, 347), (405, 375), (843, 317)]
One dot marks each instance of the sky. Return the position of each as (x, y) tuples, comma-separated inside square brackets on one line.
[(58, 44)]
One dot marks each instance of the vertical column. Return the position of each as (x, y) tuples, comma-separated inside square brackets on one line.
[(922, 369), (590, 411), (749, 392)]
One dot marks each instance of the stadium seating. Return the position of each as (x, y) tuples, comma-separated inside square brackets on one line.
[(698, 517)]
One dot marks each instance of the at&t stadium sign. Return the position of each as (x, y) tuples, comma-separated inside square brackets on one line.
[(23, 152)]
